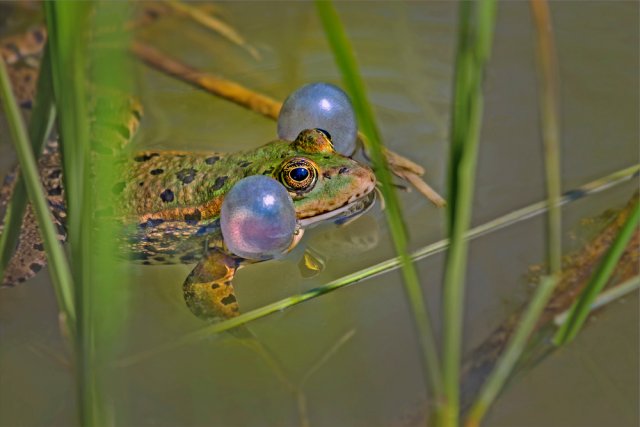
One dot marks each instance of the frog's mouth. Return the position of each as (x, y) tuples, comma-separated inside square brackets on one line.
[(344, 213)]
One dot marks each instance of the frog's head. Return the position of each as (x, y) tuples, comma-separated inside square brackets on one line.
[(323, 183)]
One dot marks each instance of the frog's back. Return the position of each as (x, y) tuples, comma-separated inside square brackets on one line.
[(171, 202)]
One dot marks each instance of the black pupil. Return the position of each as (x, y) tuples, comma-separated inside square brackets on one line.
[(299, 174)]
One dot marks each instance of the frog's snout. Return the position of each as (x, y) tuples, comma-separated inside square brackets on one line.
[(365, 181), (362, 180)]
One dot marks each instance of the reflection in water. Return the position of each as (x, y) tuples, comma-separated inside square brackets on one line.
[(351, 239)]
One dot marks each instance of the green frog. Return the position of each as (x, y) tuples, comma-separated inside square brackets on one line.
[(171, 200)]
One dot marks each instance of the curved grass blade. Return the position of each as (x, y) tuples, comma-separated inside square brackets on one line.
[(475, 38), (60, 273), (344, 56), (214, 24), (40, 125)]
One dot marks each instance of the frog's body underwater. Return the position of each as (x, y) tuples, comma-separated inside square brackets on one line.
[(170, 203)]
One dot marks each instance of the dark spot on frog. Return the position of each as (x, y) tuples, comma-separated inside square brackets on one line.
[(211, 160), (186, 175), (181, 155), (152, 13), (145, 157), (193, 217), (137, 114), (152, 222), (117, 188), (268, 171), (61, 230), (26, 104), (139, 256), (327, 175), (215, 286), (326, 157), (35, 267), (167, 196), (14, 48), (229, 299), (219, 183), (160, 259), (141, 183), (156, 171), (244, 164), (38, 35), (146, 263), (55, 174), (55, 191), (188, 258), (343, 170), (38, 247)]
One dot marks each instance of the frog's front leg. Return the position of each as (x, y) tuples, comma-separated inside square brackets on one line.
[(208, 290)]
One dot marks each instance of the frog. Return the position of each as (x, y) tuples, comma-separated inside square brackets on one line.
[(172, 202), (169, 201)]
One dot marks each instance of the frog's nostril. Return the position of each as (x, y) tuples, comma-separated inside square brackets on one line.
[(343, 170)]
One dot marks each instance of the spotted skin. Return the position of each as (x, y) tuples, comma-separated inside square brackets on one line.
[(171, 201), (208, 290), (29, 256)]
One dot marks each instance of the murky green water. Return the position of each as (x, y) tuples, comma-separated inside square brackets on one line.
[(373, 379)]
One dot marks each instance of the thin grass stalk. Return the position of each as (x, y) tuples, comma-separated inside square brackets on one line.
[(547, 71), (579, 311), (40, 125), (549, 121), (214, 24), (511, 218), (59, 269), (344, 56), (475, 37)]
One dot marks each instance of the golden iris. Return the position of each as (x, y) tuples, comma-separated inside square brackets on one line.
[(299, 174)]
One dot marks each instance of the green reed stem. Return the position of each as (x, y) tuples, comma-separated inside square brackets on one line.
[(40, 125), (547, 71), (606, 297), (528, 212), (67, 28), (345, 58), (549, 121), (474, 46), (580, 309), (60, 273)]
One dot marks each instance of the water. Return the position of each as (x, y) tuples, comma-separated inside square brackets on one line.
[(406, 55)]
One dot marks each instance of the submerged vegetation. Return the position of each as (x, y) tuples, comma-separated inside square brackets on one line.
[(85, 78)]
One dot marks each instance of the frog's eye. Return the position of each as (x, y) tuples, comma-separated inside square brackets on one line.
[(299, 174)]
